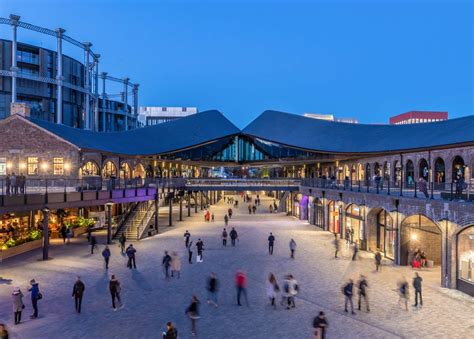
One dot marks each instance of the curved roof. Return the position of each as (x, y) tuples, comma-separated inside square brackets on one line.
[(187, 132), (338, 137)]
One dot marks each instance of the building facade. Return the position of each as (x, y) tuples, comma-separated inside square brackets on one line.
[(418, 117), (153, 115)]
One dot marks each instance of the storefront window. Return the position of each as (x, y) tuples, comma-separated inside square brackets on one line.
[(15, 230), (466, 255), (318, 213), (386, 234), (334, 218), (109, 170), (32, 165), (89, 169), (354, 224), (3, 166), (58, 166)]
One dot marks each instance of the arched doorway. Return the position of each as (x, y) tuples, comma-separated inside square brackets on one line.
[(409, 173), (377, 170), (382, 232), (139, 171), (423, 169), (354, 224), (90, 168), (360, 172), (459, 167), (125, 171), (397, 173), (318, 213), (334, 217), (109, 170), (465, 260), (386, 171), (439, 173), (353, 173), (419, 233)]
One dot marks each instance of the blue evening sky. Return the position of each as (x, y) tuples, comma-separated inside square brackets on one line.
[(361, 59)]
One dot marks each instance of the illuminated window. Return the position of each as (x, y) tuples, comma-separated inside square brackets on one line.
[(32, 165), (58, 166), (3, 166)]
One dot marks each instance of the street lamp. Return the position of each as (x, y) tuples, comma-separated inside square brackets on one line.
[(109, 221)]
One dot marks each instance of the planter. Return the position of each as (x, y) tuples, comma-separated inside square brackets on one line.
[(26, 247), (78, 231)]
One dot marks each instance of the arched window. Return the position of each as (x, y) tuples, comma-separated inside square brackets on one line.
[(90, 168), (139, 171), (360, 172), (397, 173), (465, 258), (318, 213), (354, 230), (367, 173), (439, 171), (377, 169), (423, 169), (458, 168), (109, 170), (386, 170), (125, 171), (409, 173)]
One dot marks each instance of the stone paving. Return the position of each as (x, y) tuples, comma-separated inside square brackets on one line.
[(150, 301)]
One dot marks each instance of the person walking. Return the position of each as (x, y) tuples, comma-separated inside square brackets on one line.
[(35, 296), (378, 260), (292, 248), (271, 208), (13, 184), (115, 289), (193, 313), (224, 237), (272, 289), (417, 286), (212, 288), (271, 241), (403, 290), (190, 252), (93, 244), (77, 293), (69, 234), (122, 241), (63, 232), (171, 331), (175, 265), (355, 250), (230, 213), (320, 324), (336, 245), (423, 187), (8, 184), (241, 286), (348, 292), (292, 291), (18, 306), (226, 219), (200, 248), (212, 217), (250, 208), (363, 285), (187, 236), (106, 255), (166, 263), (131, 256), (233, 236)]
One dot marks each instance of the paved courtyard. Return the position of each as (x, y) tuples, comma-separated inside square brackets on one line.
[(150, 301)]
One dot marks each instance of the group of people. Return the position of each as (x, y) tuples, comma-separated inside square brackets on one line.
[(15, 184), (419, 259)]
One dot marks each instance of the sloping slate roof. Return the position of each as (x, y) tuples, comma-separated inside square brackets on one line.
[(175, 135), (337, 137)]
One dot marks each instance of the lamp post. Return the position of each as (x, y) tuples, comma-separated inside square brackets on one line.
[(45, 211), (446, 254), (109, 221)]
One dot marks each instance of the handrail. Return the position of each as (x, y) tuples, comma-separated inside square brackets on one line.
[(145, 220)]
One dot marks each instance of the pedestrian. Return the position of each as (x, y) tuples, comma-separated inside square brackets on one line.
[(8, 184), (93, 244), (106, 255), (200, 248), (336, 245), (122, 241), (254, 209), (422, 187), (355, 251), (292, 248), (233, 236), (271, 240), (224, 237), (13, 183), (271, 208), (18, 306), (320, 324), (131, 256), (272, 289), (171, 331), (230, 213), (363, 292), (417, 286), (275, 206), (175, 265), (63, 232), (35, 296), (193, 313), (3, 331), (166, 263), (250, 208), (226, 219), (190, 252), (212, 288), (347, 236), (292, 291), (187, 236), (241, 286), (69, 234), (378, 260), (77, 293), (115, 289), (404, 295), (348, 292), (212, 217)]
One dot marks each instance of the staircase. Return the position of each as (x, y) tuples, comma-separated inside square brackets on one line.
[(137, 222)]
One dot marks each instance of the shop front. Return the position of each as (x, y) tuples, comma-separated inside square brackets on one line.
[(17, 229), (317, 213), (354, 225), (465, 261), (334, 217)]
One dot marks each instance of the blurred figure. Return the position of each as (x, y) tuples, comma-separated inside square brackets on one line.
[(292, 248), (175, 265), (212, 288), (106, 255), (271, 241), (292, 291), (272, 289), (115, 289), (241, 285), (187, 235), (171, 331), (319, 324), (122, 241), (363, 285), (166, 263), (233, 236), (77, 293), (348, 292), (403, 290), (336, 245), (190, 252), (193, 313), (378, 260), (355, 251), (224, 237)]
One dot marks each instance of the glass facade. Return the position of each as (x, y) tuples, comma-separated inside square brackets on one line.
[(386, 234), (466, 255), (354, 224)]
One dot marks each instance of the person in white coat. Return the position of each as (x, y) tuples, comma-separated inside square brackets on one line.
[(272, 289)]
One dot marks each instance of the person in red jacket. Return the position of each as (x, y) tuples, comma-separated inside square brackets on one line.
[(241, 285)]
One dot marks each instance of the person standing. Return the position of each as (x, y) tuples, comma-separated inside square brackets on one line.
[(187, 236), (200, 248), (14, 184), (190, 252), (63, 232), (122, 241), (336, 245), (320, 324), (8, 184), (171, 331), (18, 306), (193, 313), (115, 289), (241, 285), (348, 292), (363, 292), (224, 237), (417, 286), (106, 255), (166, 263), (272, 289), (93, 244), (212, 288), (77, 293), (131, 256), (226, 219), (35, 296), (271, 240), (212, 217), (233, 236), (292, 248), (175, 265), (378, 260)]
